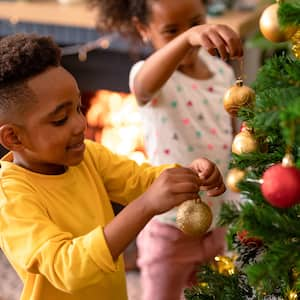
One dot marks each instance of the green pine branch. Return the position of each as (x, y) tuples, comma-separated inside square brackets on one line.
[(289, 12), (276, 115), (279, 71), (273, 271), (275, 120), (217, 286)]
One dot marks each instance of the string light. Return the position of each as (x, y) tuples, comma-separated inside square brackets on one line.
[(82, 51)]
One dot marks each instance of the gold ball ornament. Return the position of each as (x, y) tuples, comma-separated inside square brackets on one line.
[(270, 28), (233, 177), (237, 96), (244, 142), (194, 217)]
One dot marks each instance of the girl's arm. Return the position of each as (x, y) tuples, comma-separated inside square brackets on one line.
[(158, 68)]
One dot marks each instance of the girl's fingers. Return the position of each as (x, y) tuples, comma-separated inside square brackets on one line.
[(220, 44), (232, 41), (207, 44)]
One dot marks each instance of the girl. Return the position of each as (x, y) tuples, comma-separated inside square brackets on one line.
[(179, 89)]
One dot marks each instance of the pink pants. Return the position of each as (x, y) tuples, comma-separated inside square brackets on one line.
[(168, 259)]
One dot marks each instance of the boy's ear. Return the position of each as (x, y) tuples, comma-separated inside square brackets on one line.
[(9, 137), (141, 28)]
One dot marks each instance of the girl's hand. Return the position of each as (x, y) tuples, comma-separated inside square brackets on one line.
[(171, 188), (208, 172), (216, 37)]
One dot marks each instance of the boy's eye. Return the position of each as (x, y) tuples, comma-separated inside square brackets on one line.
[(60, 122)]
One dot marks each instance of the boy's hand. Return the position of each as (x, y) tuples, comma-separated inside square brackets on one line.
[(171, 188), (218, 37), (212, 180)]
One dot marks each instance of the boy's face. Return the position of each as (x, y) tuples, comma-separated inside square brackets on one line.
[(170, 18), (52, 133)]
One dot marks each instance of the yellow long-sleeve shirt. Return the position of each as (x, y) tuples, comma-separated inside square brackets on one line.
[(51, 226)]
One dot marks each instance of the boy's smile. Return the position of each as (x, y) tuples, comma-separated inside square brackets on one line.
[(52, 131)]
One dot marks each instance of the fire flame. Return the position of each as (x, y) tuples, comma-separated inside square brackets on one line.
[(114, 121)]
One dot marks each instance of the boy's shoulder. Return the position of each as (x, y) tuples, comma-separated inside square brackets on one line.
[(98, 155), (94, 148)]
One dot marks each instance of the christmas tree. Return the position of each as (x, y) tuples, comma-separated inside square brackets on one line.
[(264, 229)]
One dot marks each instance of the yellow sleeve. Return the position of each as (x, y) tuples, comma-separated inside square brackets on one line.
[(34, 244), (124, 179)]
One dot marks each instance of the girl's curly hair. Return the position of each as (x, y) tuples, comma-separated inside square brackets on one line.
[(116, 15)]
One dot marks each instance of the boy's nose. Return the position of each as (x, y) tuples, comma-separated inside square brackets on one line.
[(80, 124)]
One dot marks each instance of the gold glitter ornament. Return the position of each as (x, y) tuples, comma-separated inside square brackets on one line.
[(270, 28), (244, 142), (194, 217), (233, 177), (237, 96)]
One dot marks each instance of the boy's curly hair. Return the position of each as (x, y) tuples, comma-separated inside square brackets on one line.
[(117, 15), (23, 56)]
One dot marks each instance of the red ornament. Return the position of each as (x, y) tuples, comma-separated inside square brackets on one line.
[(281, 186), (249, 241)]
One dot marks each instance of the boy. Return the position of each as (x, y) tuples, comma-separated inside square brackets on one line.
[(56, 221)]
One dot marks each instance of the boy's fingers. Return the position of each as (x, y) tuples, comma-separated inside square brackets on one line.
[(184, 197), (215, 183), (210, 175), (187, 175), (205, 168), (185, 187), (216, 191)]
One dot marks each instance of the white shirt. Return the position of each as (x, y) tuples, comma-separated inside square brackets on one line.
[(186, 120)]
